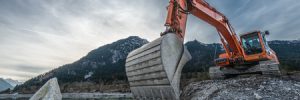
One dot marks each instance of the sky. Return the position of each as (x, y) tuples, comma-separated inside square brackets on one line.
[(39, 35)]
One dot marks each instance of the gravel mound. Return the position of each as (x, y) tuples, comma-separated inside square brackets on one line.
[(253, 88)]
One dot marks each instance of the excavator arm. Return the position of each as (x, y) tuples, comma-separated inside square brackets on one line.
[(177, 18)]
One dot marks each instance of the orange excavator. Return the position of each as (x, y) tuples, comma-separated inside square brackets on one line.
[(154, 69)]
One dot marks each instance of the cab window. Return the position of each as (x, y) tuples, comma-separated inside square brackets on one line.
[(251, 43)]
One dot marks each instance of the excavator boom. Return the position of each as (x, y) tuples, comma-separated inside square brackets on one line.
[(176, 22)]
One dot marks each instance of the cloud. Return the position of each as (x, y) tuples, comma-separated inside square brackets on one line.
[(277, 16), (41, 35)]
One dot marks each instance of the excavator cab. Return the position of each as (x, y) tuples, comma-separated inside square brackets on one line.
[(255, 47), (252, 43)]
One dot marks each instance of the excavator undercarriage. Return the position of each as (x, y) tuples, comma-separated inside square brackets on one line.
[(263, 67)]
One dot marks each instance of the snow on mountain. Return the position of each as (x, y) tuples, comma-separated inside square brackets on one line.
[(116, 56), (122, 49), (88, 75), (13, 82), (284, 42), (4, 85)]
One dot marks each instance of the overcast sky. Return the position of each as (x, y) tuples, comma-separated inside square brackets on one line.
[(39, 35)]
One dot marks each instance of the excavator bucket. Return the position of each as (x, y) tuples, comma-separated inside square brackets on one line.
[(154, 69)]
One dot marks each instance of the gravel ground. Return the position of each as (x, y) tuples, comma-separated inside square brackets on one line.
[(249, 88)]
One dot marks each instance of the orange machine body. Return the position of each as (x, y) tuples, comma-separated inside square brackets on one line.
[(237, 52)]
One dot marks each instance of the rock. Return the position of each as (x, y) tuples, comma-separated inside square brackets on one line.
[(49, 91), (247, 88), (257, 96), (287, 88), (297, 85)]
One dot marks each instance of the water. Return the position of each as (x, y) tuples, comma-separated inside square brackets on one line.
[(75, 96), (75, 99)]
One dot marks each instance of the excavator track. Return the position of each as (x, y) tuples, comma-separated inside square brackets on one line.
[(154, 70), (264, 68)]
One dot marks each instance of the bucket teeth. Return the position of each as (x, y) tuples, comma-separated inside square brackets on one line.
[(154, 70)]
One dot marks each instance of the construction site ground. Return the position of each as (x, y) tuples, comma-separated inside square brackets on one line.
[(250, 87)]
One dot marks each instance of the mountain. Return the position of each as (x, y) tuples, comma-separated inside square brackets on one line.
[(103, 69), (4, 85), (13, 82), (288, 53), (202, 56), (94, 72)]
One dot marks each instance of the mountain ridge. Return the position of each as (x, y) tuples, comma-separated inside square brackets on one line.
[(4, 85)]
